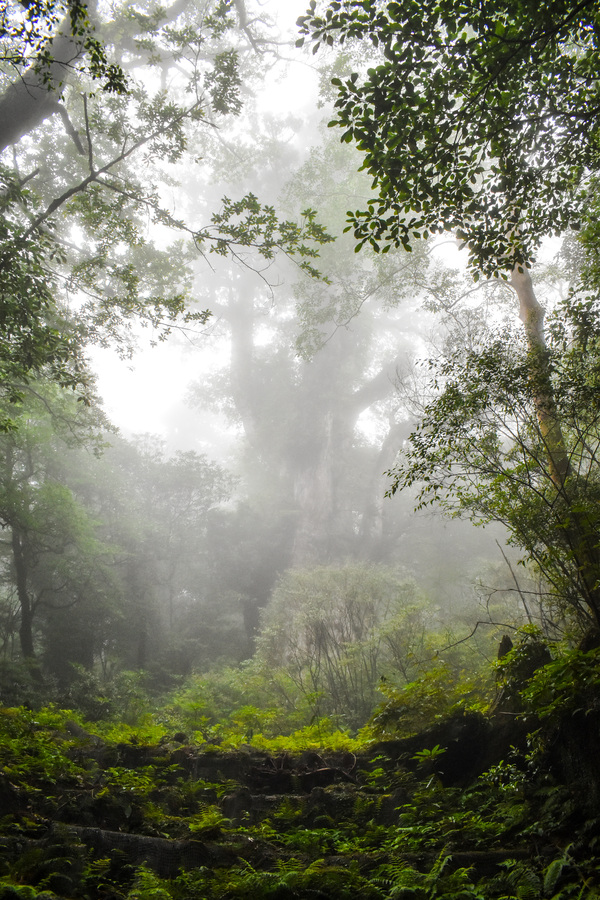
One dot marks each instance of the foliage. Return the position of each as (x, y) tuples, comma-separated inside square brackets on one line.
[(28, 35), (61, 294), (335, 632), (480, 450), (476, 120), (148, 887), (409, 708), (37, 334), (29, 758), (401, 879), (56, 559), (232, 707), (94, 534), (386, 833), (323, 734), (248, 223), (160, 507), (569, 683)]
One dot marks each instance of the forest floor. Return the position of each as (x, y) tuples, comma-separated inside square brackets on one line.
[(473, 807)]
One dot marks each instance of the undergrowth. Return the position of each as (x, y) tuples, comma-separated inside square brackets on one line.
[(316, 813)]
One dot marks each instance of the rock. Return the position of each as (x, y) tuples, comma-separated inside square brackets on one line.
[(237, 806)]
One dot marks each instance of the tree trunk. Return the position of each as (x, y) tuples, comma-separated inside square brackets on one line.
[(531, 314), (35, 95), (372, 526), (315, 497), (582, 543), (26, 606), (305, 430)]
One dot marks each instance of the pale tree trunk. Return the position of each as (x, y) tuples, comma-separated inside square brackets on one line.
[(531, 314), (581, 542)]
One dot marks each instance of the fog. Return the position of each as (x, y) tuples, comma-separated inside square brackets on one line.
[(299, 449), (146, 394), (245, 449)]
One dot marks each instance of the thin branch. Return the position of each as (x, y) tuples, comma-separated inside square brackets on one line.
[(23, 181), (70, 128), (517, 585), (470, 635), (94, 174)]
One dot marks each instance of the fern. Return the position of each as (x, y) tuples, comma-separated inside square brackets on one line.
[(397, 877), (517, 880), (555, 870), (148, 886), (208, 820)]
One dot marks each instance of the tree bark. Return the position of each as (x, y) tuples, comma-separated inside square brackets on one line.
[(26, 606), (581, 540), (531, 314), (35, 96)]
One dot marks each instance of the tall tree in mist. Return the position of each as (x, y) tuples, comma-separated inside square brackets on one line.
[(156, 509), (481, 119), (105, 551), (53, 557), (307, 361)]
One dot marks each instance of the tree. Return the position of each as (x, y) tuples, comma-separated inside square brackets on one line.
[(479, 450), (303, 371), (157, 511), (105, 555), (55, 559), (78, 262), (335, 632), (480, 119), (42, 43)]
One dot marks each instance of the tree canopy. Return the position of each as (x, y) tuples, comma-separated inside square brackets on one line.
[(96, 115), (481, 119)]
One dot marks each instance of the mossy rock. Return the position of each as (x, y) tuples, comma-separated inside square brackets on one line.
[(17, 892)]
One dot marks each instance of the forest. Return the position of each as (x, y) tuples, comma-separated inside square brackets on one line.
[(299, 450)]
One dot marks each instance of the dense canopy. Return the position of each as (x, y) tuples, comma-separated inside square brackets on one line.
[(481, 118)]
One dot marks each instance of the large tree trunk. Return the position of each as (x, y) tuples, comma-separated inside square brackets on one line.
[(329, 528), (307, 440), (321, 527), (35, 95)]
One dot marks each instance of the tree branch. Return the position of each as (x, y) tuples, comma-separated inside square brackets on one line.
[(95, 174)]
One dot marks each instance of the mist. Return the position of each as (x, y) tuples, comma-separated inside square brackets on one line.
[(299, 450), (243, 427)]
